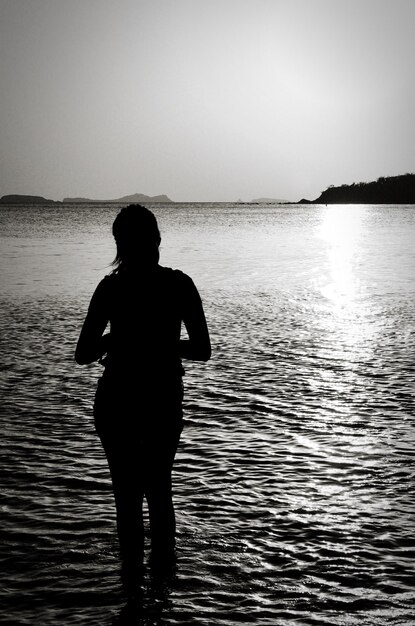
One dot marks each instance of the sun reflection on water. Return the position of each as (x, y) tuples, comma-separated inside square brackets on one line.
[(346, 323), (347, 310), (348, 328), (340, 230)]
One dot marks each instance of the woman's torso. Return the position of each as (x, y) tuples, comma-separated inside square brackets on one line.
[(145, 311)]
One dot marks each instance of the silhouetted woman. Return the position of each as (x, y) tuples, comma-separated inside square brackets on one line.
[(138, 403)]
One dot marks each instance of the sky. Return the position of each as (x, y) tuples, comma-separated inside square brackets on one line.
[(204, 100)]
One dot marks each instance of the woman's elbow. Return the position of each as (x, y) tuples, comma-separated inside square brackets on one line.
[(205, 353), (82, 358)]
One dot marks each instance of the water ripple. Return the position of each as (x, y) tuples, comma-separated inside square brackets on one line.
[(293, 481)]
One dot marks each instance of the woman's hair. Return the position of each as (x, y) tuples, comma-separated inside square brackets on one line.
[(137, 236)]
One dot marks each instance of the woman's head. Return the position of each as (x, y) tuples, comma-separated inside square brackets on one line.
[(137, 236)]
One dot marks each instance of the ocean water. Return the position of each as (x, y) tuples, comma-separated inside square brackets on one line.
[(294, 480)]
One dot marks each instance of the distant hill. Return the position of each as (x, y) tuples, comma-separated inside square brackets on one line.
[(17, 199), (269, 201), (135, 198), (385, 190)]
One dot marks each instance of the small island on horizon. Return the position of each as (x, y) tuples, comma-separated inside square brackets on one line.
[(385, 190)]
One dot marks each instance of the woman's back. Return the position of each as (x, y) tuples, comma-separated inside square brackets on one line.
[(145, 311)]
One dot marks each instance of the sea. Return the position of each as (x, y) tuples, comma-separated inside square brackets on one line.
[(294, 479)]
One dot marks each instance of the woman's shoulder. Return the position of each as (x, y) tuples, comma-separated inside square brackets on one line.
[(101, 293), (107, 282), (181, 286), (176, 276), (106, 286)]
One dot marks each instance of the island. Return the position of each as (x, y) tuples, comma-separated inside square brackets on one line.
[(135, 198), (268, 201), (18, 199), (385, 190)]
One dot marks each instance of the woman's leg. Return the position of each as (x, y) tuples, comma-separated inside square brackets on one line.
[(112, 415), (126, 475), (158, 492)]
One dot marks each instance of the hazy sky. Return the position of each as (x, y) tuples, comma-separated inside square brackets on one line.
[(204, 99)]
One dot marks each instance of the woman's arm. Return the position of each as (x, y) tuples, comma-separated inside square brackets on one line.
[(92, 343), (197, 347)]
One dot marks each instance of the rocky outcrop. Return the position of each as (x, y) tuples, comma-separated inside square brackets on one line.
[(385, 190)]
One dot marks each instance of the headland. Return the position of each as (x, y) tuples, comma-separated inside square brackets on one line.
[(384, 190)]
